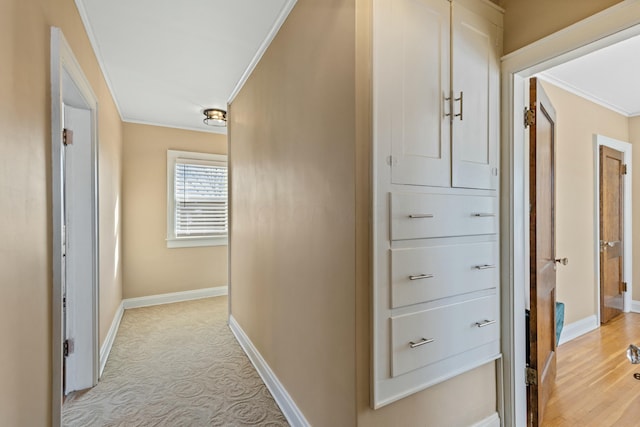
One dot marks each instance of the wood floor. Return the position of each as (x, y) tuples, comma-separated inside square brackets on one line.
[(595, 384)]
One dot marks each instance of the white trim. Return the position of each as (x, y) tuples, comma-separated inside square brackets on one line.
[(492, 420), (84, 16), (174, 297), (627, 255), (635, 306), (284, 13), (220, 130), (610, 26), (292, 413), (578, 328), (582, 94), (105, 350)]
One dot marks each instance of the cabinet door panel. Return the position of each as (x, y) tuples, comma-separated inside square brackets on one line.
[(420, 132), (475, 85)]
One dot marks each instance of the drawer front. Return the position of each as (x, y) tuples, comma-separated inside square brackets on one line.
[(420, 216), (426, 274), (429, 336)]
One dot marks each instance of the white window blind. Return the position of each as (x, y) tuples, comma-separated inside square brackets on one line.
[(200, 198)]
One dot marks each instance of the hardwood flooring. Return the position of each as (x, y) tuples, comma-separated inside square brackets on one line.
[(595, 384)]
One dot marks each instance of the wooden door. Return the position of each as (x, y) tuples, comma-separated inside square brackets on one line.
[(476, 50), (417, 58), (542, 336), (611, 233)]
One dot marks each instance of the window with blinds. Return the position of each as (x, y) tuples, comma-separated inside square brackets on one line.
[(197, 212)]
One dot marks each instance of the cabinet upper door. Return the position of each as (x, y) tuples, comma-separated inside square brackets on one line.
[(418, 75), (476, 43)]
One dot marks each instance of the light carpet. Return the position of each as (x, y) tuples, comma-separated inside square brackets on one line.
[(175, 365)]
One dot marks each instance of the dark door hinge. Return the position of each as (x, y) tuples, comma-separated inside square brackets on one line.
[(624, 287), (529, 117), (624, 169), (531, 376), (67, 136), (67, 347)]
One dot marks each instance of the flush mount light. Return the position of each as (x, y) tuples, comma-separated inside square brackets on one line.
[(215, 117)]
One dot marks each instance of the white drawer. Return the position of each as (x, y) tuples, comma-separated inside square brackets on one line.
[(426, 337), (419, 216), (427, 274)]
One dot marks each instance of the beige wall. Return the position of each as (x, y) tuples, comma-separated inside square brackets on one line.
[(634, 139), (293, 239), (25, 180), (577, 121), (149, 267), (526, 21)]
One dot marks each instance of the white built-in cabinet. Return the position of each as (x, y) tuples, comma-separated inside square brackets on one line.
[(435, 200)]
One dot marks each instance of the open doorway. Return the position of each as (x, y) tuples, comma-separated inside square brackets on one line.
[(75, 226), (617, 24)]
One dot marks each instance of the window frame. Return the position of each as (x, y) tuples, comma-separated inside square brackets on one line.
[(190, 241)]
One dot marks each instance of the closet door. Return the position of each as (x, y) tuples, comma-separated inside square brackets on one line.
[(475, 56), (419, 74)]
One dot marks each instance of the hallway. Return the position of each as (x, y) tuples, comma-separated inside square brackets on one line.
[(175, 364), (595, 384)]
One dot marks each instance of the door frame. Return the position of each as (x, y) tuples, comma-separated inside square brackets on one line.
[(627, 247), (610, 26), (63, 62)]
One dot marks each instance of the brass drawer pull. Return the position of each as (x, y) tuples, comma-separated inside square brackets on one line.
[(421, 276), (485, 323), (484, 267), (418, 216), (483, 215), (423, 341)]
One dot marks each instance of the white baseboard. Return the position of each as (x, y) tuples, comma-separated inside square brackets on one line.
[(581, 327), (175, 297), (288, 407), (492, 420), (635, 306), (111, 337)]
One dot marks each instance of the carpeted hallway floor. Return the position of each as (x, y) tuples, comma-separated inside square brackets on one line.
[(175, 365)]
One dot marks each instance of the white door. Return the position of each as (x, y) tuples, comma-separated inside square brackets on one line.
[(78, 252), (475, 58), (418, 63)]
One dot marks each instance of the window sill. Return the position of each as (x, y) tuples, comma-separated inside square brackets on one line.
[(195, 242)]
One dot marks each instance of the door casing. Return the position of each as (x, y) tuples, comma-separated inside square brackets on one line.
[(68, 84), (627, 257), (613, 25)]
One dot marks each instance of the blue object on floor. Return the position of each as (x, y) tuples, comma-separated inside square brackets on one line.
[(559, 320)]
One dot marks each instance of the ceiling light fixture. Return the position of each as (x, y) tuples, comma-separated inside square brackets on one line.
[(215, 117)]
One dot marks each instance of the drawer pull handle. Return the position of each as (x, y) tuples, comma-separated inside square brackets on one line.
[(421, 276), (418, 216), (484, 267), (485, 323), (483, 215), (423, 341)]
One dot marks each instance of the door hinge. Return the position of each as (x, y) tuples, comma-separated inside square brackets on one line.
[(67, 136), (529, 117), (531, 376), (67, 347), (623, 286), (624, 169)]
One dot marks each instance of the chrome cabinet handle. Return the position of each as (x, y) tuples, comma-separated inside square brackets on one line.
[(484, 267), (416, 216), (482, 214), (485, 323), (461, 105), (421, 276), (423, 341), (447, 100)]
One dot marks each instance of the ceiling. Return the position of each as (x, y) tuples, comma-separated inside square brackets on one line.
[(609, 76), (165, 61)]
